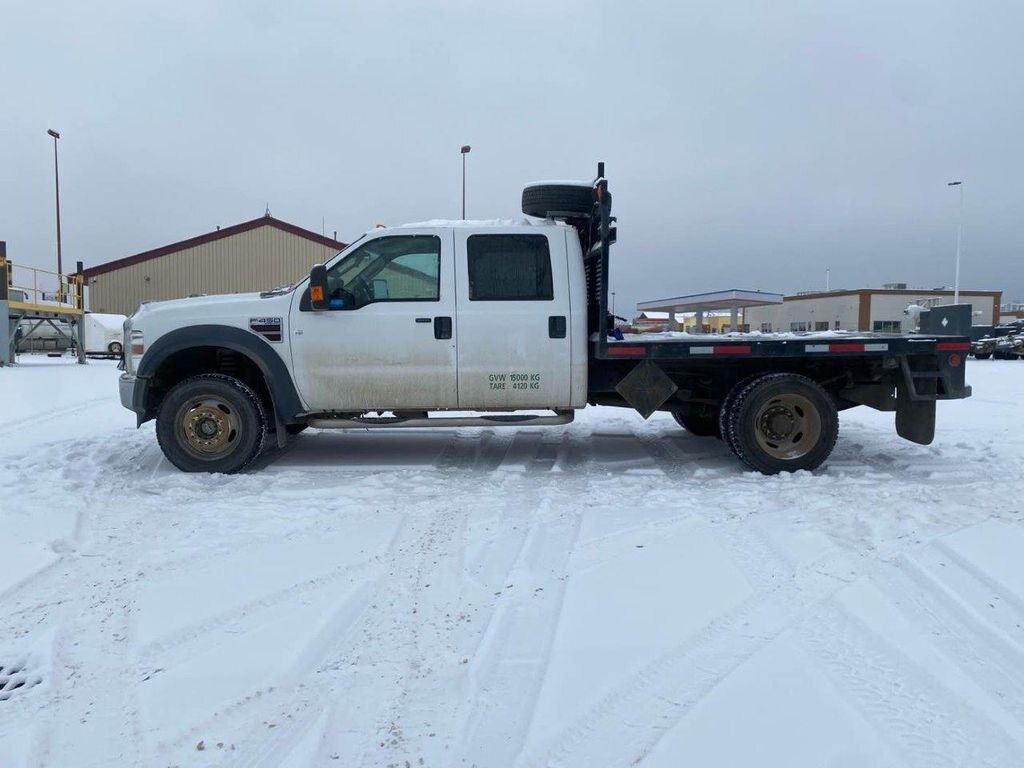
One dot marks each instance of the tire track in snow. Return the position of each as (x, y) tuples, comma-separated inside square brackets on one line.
[(869, 561), (401, 656), (993, 659), (476, 450), (70, 410), (177, 644), (628, 722), (508, 670), (417, 729), (92, 717), (364, 652), (512, 653), (361, 669), (264, 726), (652, 699), (82, 601), (926, 722)]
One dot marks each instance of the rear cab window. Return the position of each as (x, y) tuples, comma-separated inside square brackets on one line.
[(509, 268)]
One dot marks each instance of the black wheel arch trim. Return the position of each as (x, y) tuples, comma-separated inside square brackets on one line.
[(285, 398)]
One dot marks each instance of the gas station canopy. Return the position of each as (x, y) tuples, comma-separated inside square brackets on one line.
[(703, 302)]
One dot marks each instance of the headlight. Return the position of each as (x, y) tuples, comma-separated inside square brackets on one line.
[(136, 349)]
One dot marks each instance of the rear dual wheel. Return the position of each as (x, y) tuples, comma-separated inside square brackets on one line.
[(780, 422), (701, 421)]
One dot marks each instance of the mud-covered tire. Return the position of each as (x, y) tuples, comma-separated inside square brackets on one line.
[(782, 422), (702, 423), (558, 200), (211, 423)]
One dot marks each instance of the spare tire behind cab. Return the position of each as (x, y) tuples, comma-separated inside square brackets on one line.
[(558, 200)]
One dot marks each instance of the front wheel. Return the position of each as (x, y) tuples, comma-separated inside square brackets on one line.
[(783, 422), (211, 423)]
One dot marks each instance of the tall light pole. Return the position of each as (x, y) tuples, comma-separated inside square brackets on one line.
[(56, 186), (959, 234), (464, 151)]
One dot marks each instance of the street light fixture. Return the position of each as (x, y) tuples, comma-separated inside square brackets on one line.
[(56, 186), (464, 151), (959, 234)]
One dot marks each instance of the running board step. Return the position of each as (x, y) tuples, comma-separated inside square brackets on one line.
[(492, 420)]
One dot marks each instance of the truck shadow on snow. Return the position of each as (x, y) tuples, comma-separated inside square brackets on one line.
[(487, 450), (655, 451)]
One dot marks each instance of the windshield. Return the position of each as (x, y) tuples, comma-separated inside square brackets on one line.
[(278, 290)]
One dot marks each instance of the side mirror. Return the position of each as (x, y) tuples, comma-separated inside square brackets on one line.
[(318, 288)]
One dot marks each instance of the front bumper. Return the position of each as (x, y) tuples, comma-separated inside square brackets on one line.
[(133, 393)]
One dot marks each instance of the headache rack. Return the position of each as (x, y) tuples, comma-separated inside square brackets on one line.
[(597, 233)]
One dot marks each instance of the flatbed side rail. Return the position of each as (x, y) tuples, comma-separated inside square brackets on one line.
[(952, 348)]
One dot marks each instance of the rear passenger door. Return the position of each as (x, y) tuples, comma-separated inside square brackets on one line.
[(513, 318)]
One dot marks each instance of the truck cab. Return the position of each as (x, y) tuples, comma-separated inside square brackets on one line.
[(462, 316)]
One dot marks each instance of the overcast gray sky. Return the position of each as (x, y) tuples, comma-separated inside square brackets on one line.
[(748, 144)]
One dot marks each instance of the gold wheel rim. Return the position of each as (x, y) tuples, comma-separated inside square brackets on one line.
[(787, 427), (209, 428)]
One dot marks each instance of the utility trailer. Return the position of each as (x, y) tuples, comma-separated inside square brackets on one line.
[(409, 326)]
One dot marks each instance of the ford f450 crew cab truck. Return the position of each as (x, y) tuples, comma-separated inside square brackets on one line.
[(503, 323)]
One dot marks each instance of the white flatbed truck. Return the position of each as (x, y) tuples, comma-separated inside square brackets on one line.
[(414, 326)]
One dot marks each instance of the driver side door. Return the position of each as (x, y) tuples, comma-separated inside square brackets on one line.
[(388, 342)]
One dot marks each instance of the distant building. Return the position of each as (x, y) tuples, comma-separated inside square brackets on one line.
[(650, 321), (715, 312), (865, 309), (1010, 312), (251, 256)]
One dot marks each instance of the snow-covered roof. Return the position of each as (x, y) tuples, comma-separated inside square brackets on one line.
[(519, 221)]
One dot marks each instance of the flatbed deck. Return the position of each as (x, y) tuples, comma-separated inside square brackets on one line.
[(667, 345)]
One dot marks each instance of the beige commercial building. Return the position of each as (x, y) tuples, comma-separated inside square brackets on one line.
[(252, 256), (865, 309)]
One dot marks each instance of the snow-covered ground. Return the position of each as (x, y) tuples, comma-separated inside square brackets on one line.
[(611, 593)]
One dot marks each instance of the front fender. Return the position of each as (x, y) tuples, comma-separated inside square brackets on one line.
[(287, 404)]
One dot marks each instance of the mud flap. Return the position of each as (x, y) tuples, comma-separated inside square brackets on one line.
[(646, 388), (915, 419)]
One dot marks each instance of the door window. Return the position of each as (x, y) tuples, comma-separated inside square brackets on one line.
[(509, 268), (398, 268)]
